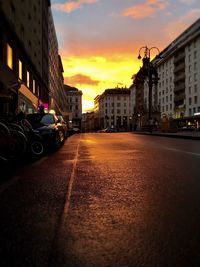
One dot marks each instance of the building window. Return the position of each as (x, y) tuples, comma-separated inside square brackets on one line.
[(195, 77), (189, 89), (190, 100), (34, 87), (195, 88), (190, 112), (9, 56), (20, 65), (28, 79), (195, 99)]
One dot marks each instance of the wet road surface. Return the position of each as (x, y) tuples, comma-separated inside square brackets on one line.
[(106, 200)]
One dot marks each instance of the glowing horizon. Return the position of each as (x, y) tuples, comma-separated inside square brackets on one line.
[(99, 40)]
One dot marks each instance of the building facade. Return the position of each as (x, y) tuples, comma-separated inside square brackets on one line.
[(177, 94), (178, 70), (24, 73), (73, 106), (56, 81), (115, 109)]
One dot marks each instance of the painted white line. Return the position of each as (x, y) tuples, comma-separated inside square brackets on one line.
[(39, 161), (70, 185), (183, 151), (5, 186)]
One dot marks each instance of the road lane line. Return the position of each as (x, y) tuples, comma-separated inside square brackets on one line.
[(183, 151), (39, 161), (70, 185)]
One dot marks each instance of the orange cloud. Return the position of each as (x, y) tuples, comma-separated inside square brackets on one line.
[(145, 9), (80, 79), (71, 6)]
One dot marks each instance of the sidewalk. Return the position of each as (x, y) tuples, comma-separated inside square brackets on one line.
[(193, 135)]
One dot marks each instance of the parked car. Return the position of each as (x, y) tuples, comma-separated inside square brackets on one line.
[(73, 130), (64, 124), (108, 130), (49, 127)]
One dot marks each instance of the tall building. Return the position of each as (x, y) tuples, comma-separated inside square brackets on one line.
[(115, 109), (24, 71), (31, 71), (73, 106), (178, 69), (177, 95), (56, 80)]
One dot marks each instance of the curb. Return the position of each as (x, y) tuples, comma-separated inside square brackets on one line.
[(170, 135)]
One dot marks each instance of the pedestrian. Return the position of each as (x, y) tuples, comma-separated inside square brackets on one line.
[(41, 109), (156, 124), (150, 125)]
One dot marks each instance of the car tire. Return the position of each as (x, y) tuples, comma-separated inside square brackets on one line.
[(36, 148)]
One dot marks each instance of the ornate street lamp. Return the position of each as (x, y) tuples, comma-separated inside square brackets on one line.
[(149, 71)]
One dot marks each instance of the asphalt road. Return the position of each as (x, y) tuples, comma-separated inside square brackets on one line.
[(106, 200)]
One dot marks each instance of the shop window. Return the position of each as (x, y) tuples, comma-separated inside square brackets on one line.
[(28, 79), (34, 86), (9, 56), (20, 65)]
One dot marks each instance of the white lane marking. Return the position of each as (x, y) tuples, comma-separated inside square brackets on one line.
[(70, 185), (39, 161), (183, 151), (3, 187)]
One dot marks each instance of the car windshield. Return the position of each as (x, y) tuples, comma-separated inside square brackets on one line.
[(48, 119)]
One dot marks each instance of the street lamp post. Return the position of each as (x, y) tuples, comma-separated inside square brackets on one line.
[(149, 71)]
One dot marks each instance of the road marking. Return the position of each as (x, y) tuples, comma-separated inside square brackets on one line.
[(61, 222), (70, 185), (183, 151), (8, 184), (39, 161)]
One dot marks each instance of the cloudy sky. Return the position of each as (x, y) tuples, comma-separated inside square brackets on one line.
[(99, 40)]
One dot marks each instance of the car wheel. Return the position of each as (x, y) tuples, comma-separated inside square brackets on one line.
[(37, 148)]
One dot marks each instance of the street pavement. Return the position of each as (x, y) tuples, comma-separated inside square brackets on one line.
[(106, 200)]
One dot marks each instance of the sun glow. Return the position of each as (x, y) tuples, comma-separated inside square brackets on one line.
[(94, 74)]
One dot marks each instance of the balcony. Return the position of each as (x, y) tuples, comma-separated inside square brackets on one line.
[(179, 87), (180, 77), (179, 98), (179, 67), (179, 57)]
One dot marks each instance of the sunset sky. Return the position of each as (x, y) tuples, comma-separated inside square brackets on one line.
[(99, 40)]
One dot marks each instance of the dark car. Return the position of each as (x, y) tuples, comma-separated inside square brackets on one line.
[(49, 127)]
